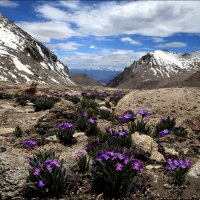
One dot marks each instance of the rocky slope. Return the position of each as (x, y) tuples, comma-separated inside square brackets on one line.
[(22, 58), (153, 181), (84, 80), (161, 69)]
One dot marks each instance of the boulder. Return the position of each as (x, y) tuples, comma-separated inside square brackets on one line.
[(64, 108), (182, 103), (147, 145)]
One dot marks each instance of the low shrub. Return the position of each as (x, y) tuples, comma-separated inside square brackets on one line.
[(47, 176), (115, 172), (72, 98), (177, 170), (22, 99), (105, 114), (92, 128), (18, 132), (83, 162), (81, 122), (180, 132), (6, 96), (165, 126), (44, 102), (65, 132)]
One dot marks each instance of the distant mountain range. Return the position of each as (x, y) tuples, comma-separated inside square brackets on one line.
[(103, 76), (23, 58), (161, 68), (84, 80)]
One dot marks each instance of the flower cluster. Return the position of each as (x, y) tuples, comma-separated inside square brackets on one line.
[(83, 162), (164, 132), (144, 113), (92, 128), (120, 159), (65, 132), (119, 133), (66, 126), (29, 143), (126, 118), (115, 171), (46, 174), (173, 164), (177, 170)]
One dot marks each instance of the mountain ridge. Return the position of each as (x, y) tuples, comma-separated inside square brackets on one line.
[(160, 68), (23, 58)]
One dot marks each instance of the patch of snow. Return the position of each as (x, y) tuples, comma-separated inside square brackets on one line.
[(21, 67), (54, 80)]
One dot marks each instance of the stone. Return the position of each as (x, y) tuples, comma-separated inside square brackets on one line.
[(171, 151), (6, 131), (52, 138), (149, 167), (167, 186), (102, 103), (105, 109), (194, 171), (147, 145), (79, 134), (64, 108)]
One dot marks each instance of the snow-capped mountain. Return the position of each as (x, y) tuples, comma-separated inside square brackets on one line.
[(160, 68), (23, 58)]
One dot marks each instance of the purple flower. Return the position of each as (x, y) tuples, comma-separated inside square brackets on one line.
[(91, 120), (84, 114), (80, 154), (122, 132), (66, 126), (144, 113), (164, 132), (126, 118), (41, 183), (137, 165), (36, 171), (49, 164), (29, 143), (118, 166), (173, 164)]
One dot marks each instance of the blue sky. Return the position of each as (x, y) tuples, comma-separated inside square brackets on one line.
[(107, 34)]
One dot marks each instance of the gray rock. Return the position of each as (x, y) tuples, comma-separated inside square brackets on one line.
[(195, 170), (6, 131), (147, 145), (52, 138)]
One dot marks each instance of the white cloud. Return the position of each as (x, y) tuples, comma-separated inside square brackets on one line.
[(158, 39), (70, 46), (158, 18), (71, 4), (93, 47), (130, 40), (45, 31), (8, 3), (172, 45), (105, 59)]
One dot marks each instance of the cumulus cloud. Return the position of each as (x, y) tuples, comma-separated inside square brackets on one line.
[(158, 18), (105, 59), (130, 40), (172, 45), (70, 46), (45, 31), (8, 3)]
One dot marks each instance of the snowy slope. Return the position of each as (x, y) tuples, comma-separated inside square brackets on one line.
[(158, 69), (22, 58)]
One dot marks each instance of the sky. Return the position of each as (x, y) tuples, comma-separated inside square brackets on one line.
[(107, 35)]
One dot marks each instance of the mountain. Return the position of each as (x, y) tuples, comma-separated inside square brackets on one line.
[(85, 80), (23, 58), (161, 68), (103, 76)]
